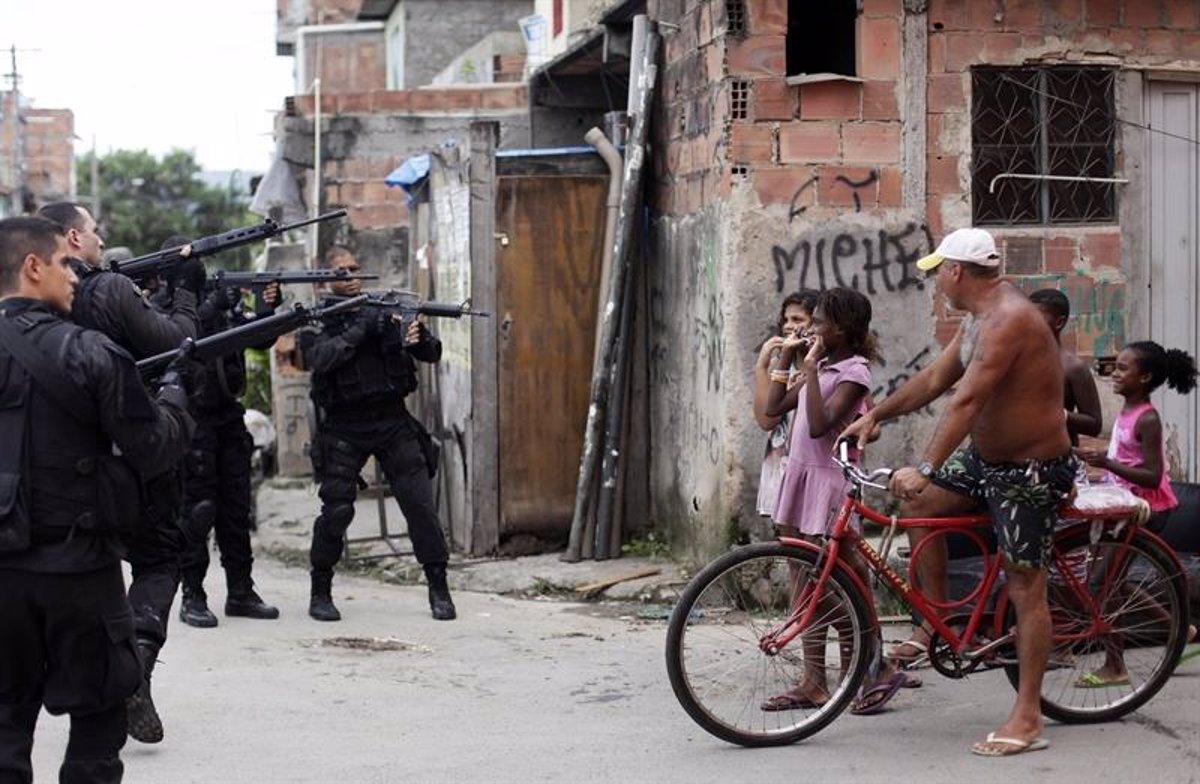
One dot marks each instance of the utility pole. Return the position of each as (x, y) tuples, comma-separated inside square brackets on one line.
[(95, 181), (17, 159)]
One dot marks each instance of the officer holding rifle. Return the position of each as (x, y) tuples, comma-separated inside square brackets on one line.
[(112, 304), (217, 470), (362, 369)]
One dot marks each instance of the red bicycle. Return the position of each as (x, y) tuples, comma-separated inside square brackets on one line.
[(747, 626)]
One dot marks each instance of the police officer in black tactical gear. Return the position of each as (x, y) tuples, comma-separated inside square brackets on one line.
[(217, 472), (362, 368), (144, 326), (71, 401)]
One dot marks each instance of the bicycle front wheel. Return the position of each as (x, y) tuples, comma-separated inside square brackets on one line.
[(722, 675), (1140, 595)]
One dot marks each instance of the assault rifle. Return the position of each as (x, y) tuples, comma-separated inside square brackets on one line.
[(161, 262), (249, 334), (258, 281), (403, 306)]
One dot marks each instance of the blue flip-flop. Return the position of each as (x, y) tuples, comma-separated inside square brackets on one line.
[(872, 700)]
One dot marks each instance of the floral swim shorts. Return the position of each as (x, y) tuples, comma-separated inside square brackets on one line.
[(1022, 498)]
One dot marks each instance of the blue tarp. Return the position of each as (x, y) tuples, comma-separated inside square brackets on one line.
[(410, 176)]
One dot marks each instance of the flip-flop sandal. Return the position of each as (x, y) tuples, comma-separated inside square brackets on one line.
[(1193, 653), (922, 650), (873, 700), (1094, 681), (1016, 746), (786, 702)]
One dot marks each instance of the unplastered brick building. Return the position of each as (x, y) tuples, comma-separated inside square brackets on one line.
[(802, 144)]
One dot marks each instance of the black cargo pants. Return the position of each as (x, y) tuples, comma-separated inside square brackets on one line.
[(401, 446), (68, 644)]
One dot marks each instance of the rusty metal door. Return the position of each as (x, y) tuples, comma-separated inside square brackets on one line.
[(550, 231), (1175, 254)]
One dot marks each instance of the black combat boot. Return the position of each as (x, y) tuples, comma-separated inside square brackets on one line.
[(193, 606), (320, 605), (243, 601), (143, 722), (441, 606)]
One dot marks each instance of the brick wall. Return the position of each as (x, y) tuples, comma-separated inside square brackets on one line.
[(827, 133), (50, 154), (1087, 263), (48, 150), (691, 123), (367, 135)]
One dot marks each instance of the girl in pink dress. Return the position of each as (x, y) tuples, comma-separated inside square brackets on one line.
[(795, 316), (833, 391), (1136, 458)]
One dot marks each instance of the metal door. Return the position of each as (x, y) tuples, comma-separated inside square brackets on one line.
[(1174, 245)]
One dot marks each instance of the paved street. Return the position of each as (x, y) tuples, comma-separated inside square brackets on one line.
[(523, 691)]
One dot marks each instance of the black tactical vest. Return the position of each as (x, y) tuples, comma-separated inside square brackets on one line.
[(380, 375), (57, 466)]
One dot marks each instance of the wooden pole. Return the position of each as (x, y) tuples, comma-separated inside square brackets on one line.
[(484, 454)]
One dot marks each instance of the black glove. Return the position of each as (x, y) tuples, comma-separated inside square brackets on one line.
[(182, 374), (191, 275)]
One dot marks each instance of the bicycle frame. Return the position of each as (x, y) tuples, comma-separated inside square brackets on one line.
[(843, 535)]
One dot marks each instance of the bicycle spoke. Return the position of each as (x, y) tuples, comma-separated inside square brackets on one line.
[(723, 667)]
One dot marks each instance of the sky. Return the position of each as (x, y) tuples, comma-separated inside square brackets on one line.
[(201, 75)]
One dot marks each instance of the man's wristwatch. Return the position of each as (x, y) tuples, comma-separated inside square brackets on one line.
[(925, 469)]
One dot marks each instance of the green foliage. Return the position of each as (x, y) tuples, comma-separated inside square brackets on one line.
[(648, 545), (258, 380), (144, 200)]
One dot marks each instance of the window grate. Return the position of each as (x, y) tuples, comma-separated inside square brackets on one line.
[(735, 17), (739, 99), (1058, 121)]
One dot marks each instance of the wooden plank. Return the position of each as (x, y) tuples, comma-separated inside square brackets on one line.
[(547, 290), (485, 453), (594, 589)]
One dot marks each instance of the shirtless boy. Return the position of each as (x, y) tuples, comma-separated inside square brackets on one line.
[(1080, 398)]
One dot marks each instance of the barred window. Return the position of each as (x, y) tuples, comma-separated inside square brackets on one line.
[(1057, 121)]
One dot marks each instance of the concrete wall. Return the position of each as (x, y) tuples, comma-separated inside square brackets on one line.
[(762, 187), (435, 35)]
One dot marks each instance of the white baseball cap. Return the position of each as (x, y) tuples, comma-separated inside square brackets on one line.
[(973, 246)]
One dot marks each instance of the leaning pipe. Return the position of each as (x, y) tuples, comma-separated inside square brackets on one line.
[(612, 205), (635, 159)]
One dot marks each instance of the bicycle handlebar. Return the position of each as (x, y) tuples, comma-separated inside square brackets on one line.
[(855, 474)]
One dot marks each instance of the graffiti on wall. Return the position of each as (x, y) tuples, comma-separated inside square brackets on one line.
[(900, 377), (867, 260), (856, 185)]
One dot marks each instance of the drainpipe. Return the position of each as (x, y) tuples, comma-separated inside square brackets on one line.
[(314, 206), (612, 158)]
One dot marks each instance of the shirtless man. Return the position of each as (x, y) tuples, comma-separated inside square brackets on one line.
[(1018, 465), (1080, 398)]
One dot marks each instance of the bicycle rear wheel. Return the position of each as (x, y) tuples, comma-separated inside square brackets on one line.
[(718, 670), (1141, 594)]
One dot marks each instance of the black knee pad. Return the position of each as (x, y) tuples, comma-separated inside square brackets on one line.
[(339, 516)]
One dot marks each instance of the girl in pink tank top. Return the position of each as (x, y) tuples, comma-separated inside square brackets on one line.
[(1136, 457)]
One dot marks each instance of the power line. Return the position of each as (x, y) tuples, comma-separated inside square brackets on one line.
[(1114, 118)]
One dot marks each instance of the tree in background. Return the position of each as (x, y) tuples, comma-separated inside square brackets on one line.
[(145, 200)]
